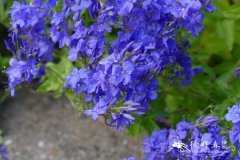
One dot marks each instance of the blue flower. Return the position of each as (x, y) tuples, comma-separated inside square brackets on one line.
[(234, 134), (126, 7), (129, 158), (233, 114), (57, 18), (122, 119), (209, 121), (4, 153), (24, 15), (156, 145), (52, 3), (237, 158), (208, 5), (214, 129), (206, 140), (77, 80), (237, 72), (84, 4), (20, 71), (183, 128)]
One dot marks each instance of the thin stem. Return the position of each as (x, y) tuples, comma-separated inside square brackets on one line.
[(106, 122)]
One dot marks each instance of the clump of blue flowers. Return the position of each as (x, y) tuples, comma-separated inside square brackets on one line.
[(204, 139), (4, 153), (28, 41), (118, 75)]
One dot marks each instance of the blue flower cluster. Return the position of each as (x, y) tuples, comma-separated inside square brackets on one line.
[(203, 139), (122, 45), (122, 79), (68, 29), (4, 153), (28, 41)]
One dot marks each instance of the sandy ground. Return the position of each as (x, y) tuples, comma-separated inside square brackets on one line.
[(39, 127)]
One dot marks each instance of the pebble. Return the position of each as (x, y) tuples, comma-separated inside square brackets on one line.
[(41, 144), (8, 142)]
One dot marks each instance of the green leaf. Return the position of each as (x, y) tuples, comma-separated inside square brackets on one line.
[(233, 12), (226, 30), (171, 102), (135, 129), (77, 101), (54, 79)]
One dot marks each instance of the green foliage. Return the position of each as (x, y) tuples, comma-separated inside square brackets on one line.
[(54, 80), (3, 14), (4, 55), (4, 9)]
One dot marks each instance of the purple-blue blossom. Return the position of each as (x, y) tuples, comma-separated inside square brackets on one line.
[(122, 119), (130, 158), (207, 121), (233, 114), (28, 41), (4, 153), (234, 135), (22, 71), (237, 72)]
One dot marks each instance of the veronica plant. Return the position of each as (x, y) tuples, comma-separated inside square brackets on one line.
[(119, 48)]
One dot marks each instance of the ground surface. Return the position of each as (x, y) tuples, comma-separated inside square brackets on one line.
[(38, 127)]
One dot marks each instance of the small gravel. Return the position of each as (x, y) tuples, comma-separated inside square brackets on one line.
[(39, 127)]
